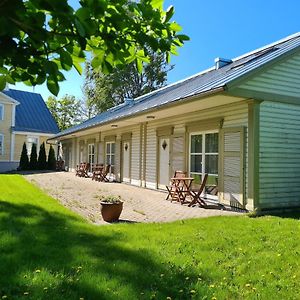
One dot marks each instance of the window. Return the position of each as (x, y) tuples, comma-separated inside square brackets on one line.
[(1, 112), (110, 155), (91, 153), (1, 144), (204, 159), (29, 142)]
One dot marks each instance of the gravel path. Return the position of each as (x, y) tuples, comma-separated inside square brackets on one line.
[(140, 205)]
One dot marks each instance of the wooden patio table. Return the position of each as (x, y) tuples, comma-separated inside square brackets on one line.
[(182, 187), (97, 170)]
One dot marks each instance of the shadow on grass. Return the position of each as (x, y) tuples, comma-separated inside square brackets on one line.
[(57, 256)]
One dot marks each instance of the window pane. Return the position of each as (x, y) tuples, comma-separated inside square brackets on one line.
[(113, 148), (196, 163), (108, 148), (112, 160), (196, 143), (1, 112), (211, 143), (211, 164), (108, 159)]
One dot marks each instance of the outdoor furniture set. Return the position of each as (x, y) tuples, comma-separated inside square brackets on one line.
[(181, 190), (99, 172)]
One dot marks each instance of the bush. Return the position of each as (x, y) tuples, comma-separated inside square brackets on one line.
[(33, 164), (42, 160), (24, 161), (51, 159)]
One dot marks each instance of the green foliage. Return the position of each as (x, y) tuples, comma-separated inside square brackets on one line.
[(51, 159), (49, 252), (40, 39), (42, 160), (103, 91), (24, 161), (111, 199), (33, 163), (66, 111)]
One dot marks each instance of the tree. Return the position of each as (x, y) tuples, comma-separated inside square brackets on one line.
[(42, 160), (103, 91), (33, 163), (24, 162), (39, 39), (66, 111), (51, 159)]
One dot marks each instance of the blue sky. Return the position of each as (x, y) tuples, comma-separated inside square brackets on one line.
[(217, 29)]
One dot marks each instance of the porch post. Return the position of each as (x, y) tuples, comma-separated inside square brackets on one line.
[(253, 154)]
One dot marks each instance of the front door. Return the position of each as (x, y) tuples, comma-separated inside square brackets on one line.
[(164, 162), (126, 149)]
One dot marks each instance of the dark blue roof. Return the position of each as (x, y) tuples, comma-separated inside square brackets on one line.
[(32, 114), (211, 80)]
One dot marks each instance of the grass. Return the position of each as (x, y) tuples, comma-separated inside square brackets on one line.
[(48, 252)]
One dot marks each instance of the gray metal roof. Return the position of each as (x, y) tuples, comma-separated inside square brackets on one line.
[(207, 81), (32, 114)]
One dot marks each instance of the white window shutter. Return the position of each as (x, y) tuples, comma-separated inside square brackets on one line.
[(232, 160), (178, 157)]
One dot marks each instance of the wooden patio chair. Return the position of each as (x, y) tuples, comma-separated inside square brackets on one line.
[(82, 170), (172, 188), (97, 170), (103, 174), (196, 193), (79, 169)]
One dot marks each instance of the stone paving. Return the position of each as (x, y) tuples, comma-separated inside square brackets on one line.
[(140, 205)]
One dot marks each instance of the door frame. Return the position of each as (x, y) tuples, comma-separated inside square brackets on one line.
[(158, 157)]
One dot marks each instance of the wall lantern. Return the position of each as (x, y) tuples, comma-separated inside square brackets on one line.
[(164, 145)]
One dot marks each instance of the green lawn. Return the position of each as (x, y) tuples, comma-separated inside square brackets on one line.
[(48, 252)]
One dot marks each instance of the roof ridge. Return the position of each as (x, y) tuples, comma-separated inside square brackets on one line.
[(285, 39), (213, 67), (35, 93)]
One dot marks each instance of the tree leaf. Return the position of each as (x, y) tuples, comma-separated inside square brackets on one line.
[(183, 37), (53, 86), (175, 27), (169, 14), (66, 60)]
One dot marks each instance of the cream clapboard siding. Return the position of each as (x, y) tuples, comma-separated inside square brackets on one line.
[(235, 115), (279, 161), (282, 79), (5, 129), (21, 138), (136, 156)]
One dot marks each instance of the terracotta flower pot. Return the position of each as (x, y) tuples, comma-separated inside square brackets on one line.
[(111, 211)]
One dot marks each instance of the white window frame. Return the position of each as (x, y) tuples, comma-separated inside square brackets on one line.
[(91, 155), (37, 144), (2, 112), (110, 154), (2, 141), (203, 153)]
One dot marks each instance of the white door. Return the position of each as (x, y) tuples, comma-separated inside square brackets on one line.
[(126, 161), (164, 162)]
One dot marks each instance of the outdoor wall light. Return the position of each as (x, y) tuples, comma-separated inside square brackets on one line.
[(150, 117)]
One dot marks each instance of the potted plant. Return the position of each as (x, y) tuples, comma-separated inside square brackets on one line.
[(111, 208)]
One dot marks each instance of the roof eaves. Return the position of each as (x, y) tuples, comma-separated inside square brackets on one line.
[(8, 98), (164, 105)]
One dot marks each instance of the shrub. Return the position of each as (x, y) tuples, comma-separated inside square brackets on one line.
[(42, 160), (33, 163), (24, 161), (51, 159)]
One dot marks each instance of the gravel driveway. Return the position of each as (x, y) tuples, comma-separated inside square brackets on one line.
[(140, 205)]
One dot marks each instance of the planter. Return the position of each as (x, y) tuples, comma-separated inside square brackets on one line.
[(111, 211)]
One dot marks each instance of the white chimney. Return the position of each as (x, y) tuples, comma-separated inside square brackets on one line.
[(221, 62)]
